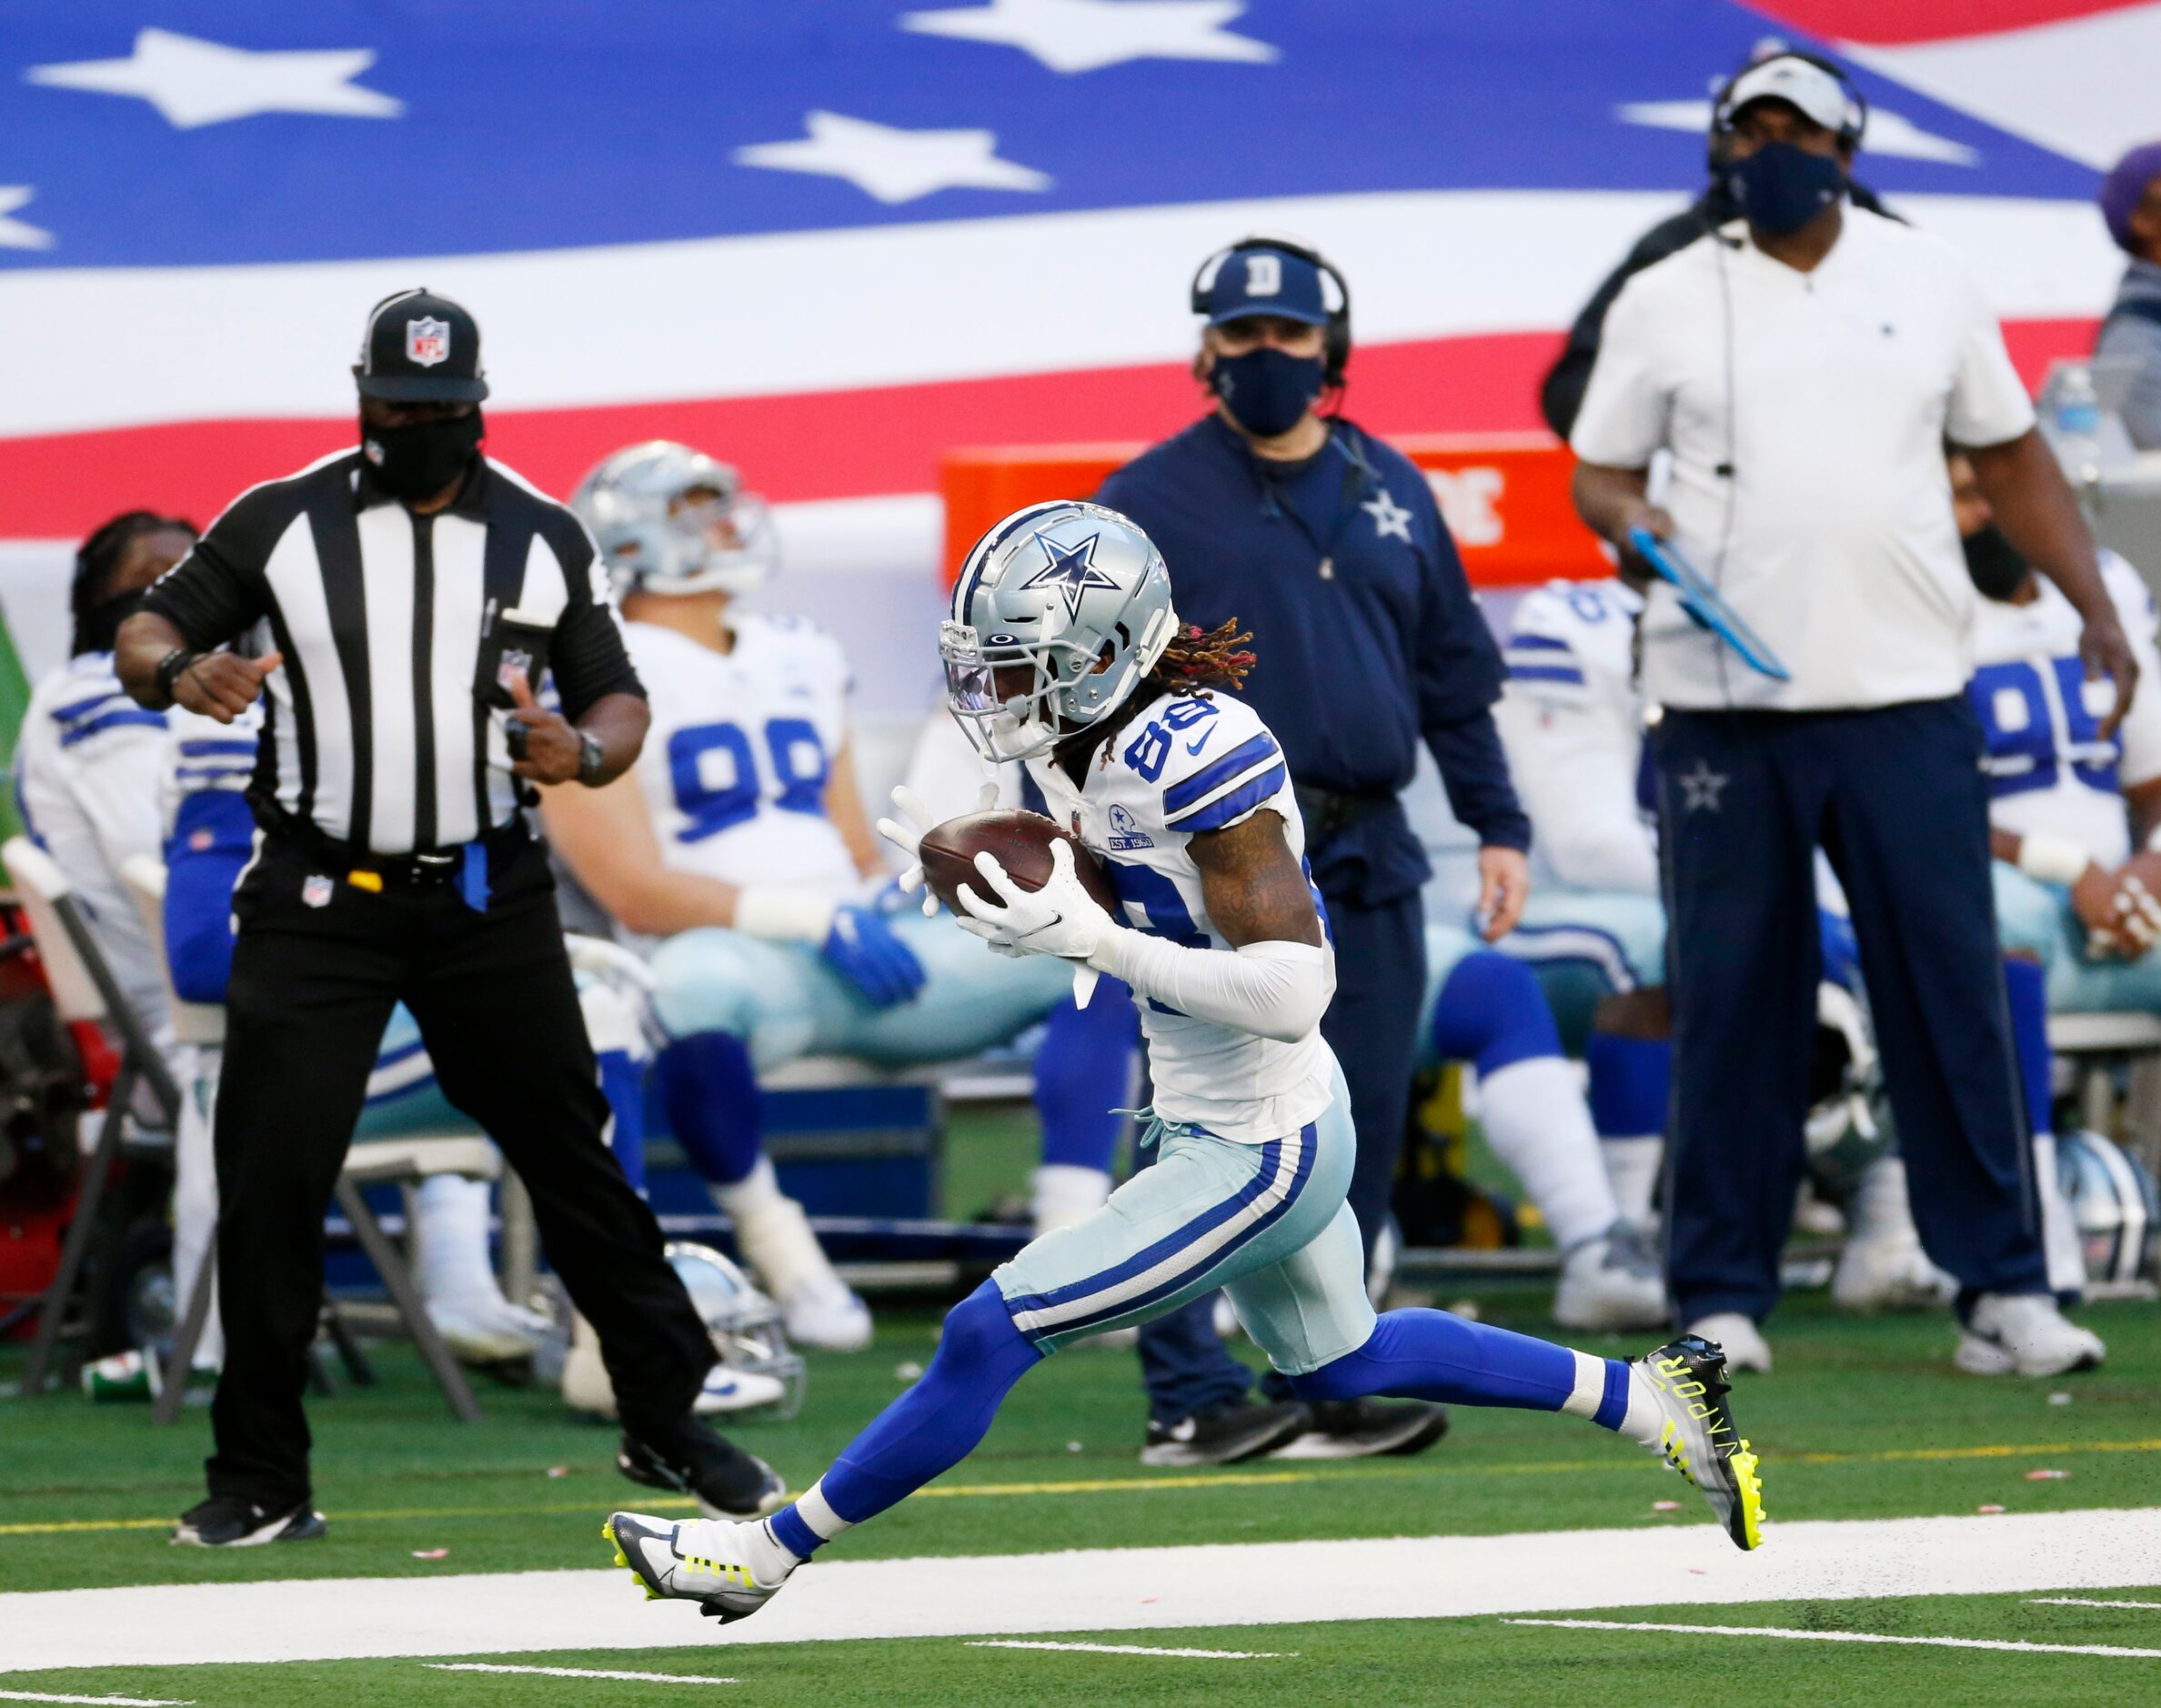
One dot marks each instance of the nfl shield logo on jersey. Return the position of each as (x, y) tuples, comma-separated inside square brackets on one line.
[(316, 891), (513, 665), (427, 341)]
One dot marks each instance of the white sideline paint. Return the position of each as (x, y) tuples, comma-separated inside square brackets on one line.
[(1135, 1648), (2080, 1601), (570, 1671), (1139, 1589), (2006, 1645), (108, 1701)]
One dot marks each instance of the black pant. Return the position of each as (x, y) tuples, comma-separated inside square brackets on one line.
[(1895, 798), (318, 966)]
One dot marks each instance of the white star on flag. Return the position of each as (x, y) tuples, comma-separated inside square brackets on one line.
[(1888, 133), (194, 82), (1087, 35), (19, 234), (1390, 519), (891, 164)]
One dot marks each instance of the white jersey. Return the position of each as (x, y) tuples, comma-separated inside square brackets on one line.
[(2048, 771), (206, 754), (1187, 764), (89, 763), (1572, 720), (734, 768)]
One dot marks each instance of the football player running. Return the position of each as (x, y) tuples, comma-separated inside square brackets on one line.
[(1063, 650), (738, 841)]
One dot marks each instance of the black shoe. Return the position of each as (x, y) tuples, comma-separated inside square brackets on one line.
[(727, 1482), (1367, 1428), (224, 1521), (1224, 1434)]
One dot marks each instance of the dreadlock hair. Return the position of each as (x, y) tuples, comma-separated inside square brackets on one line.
[(88, 598), (1194, 661)]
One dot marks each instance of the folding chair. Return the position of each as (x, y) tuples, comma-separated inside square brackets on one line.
[(84, 990), (404, 1161)]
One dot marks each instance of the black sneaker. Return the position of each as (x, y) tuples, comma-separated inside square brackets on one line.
[(1367, 1428), (224, 1521), (727, 1482), (1224, 1434)]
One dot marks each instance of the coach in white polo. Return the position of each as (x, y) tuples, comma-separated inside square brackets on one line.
[(1803, 367)]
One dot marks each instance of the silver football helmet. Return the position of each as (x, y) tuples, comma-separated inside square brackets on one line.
[(669, 520), (1058, 612), (2113, 1204), (744, 1323)]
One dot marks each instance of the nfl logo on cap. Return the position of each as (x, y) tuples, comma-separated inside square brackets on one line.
[(428, 342)]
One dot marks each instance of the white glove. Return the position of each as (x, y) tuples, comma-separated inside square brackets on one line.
[(907, 833), (2140, 913), (1060, 918)]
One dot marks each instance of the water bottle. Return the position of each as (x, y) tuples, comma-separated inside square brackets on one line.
[(2077, 426)]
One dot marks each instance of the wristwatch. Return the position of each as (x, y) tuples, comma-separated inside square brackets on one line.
[(591, 757), (171, 667)]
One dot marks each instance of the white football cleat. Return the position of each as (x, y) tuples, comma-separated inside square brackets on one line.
[(1611, 1282), (1740, 1338), (731, 1570), (2023, 1334), (727, 1389), (486, 1327), (823, 1311), (1883, 1266)]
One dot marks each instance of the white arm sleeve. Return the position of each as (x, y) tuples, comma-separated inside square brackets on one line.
[(1277, 990)]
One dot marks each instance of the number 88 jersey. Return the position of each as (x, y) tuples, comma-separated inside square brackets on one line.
[(734, 768), (1181, 766)]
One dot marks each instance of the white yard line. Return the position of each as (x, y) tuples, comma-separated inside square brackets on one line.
[(569, 1672), (105, 1701), (1104, 1589), (2079, 1600), (1135, 1648), (2007, 1646)]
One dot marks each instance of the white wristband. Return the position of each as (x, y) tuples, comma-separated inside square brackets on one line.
[(780, 914), (2052, 860)]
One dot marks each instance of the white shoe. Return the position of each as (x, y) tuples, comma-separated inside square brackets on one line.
[(821, 1312), (1611, 1282), (713, 1562), (2023, 1334), (727, 1389), (1883, 1266), (484, 1329), (585, 1385), (1741, 1339)]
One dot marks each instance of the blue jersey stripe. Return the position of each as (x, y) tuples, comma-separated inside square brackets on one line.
[(1538, 643), (111, 720), (1545, 673), (240, 748), (77, 708), (1209, 778), (1240, 801)]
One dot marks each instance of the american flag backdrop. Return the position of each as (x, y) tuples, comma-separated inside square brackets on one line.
[(829, 239)]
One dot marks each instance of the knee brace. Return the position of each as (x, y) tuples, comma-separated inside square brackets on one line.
[(1492, 1013)]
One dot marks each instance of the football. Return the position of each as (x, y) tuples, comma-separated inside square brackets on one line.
[(1021, 842)]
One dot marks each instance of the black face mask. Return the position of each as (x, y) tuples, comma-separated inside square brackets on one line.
[(1781, 188), (1268, 390), (419, 460), (1994, 563), (99, 627)]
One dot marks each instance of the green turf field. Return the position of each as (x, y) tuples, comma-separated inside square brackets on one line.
[(1862, 1419)]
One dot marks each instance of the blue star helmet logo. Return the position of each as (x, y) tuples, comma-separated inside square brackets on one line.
[(1072, 570)]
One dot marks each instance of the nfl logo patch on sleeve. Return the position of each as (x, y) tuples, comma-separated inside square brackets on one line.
[(316, 891), (427, 341)]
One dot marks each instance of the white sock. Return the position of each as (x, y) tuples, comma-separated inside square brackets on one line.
[(2060, 1233), (195, 1195), (1537, 1124), (450, 1240), (1062, 1194), (772, 1232), (1633, 1166), (1645, 1421)]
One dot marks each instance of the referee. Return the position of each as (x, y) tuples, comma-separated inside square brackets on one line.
[(1803, 367), (394, 601)]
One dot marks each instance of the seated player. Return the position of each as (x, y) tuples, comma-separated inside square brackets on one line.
[(2075, 817), (1063, 650), (92, 771), (737, 846), (1573, 720)]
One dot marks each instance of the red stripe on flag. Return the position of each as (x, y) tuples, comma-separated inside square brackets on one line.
[(1902, 22), (811, 445)]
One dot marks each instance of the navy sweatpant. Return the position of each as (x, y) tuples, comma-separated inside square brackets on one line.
[(1895, 798), (1373, 1027)]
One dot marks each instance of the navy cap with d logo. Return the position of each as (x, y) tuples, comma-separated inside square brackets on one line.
[(1256, 279), (419, 348)]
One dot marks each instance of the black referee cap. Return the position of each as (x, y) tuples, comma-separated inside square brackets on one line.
[(419, 348)]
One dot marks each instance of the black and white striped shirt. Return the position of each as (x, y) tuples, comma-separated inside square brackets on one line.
[(375, 728)]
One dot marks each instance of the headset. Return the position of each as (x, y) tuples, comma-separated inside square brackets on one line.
[(1849, 133), (1335, 349)]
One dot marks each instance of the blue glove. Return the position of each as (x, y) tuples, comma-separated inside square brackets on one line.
[(861, 947)]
